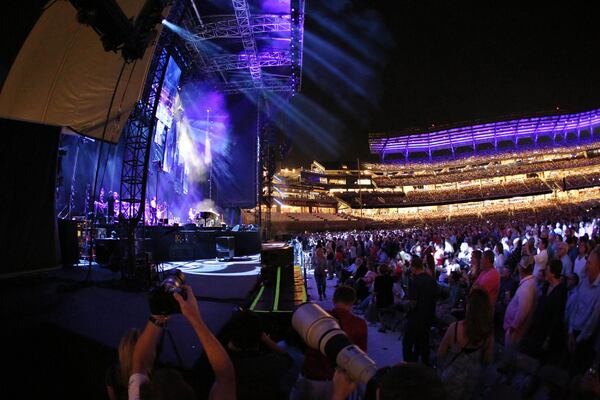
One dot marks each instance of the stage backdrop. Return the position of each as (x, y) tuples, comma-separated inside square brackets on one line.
[(28, 232)]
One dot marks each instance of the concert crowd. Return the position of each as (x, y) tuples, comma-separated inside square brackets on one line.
[(496, 309)]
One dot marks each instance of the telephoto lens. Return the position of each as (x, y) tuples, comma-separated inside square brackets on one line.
[(322, 332)]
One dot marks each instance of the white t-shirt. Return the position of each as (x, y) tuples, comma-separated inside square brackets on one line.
[(499, 261), (579, 267), (541, 260), (567, 265)]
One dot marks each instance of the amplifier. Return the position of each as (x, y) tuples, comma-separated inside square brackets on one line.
[(277, 254)]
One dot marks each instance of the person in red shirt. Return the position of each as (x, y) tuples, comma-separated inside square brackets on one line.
[(316, 381), (489, 278)]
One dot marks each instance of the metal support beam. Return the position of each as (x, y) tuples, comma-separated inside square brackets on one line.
[(229, 28), (230, 62), (242, 15)]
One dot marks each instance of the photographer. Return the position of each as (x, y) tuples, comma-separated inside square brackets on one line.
[(262, 369), (164, 385), (406, 381), (317, 371)]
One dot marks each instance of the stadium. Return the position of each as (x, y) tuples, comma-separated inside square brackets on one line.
[(472, 170), (299, 200)]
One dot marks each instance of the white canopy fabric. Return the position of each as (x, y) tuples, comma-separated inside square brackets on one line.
[(62, 76)]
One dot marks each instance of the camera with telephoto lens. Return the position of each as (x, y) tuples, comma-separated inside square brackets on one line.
[(322, 332), (161, 297)]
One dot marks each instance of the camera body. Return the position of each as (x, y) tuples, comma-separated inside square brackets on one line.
[(161, 298)]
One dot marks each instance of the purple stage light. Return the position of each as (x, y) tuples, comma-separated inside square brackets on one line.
[(275, 6)]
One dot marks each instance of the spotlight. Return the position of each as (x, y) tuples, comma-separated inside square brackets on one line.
[(164, 22)]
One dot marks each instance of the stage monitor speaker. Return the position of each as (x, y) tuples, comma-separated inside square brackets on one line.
[(225, 246), (277, 255)]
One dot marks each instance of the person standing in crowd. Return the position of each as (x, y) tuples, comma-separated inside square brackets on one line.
[(583, 315), (466, 346), (508, 287), (541, 259), (320, 264), (315, 383), (562, 250), (515, 255), (546, 337), (489, 278), (499, 258), (383, 293), (581, 260), (422, 296), (475, 269), (260, 365), (520, 310), (118, 374)]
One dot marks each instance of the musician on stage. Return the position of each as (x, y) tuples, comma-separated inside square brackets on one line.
[(153, 218), (100, 207), (112, 206)]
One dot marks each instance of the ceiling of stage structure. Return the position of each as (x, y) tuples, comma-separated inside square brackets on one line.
[(244, 45), (64, 76)]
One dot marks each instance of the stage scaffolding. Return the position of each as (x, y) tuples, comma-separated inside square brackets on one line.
[(259, 68)]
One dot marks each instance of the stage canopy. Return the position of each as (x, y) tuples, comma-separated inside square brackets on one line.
[(62, 76)]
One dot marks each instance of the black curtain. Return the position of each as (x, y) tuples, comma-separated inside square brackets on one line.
[(28, 232)]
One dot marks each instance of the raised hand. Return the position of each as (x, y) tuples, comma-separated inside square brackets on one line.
[(189, 306)]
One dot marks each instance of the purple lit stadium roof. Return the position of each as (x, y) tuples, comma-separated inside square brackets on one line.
[(495, 132)]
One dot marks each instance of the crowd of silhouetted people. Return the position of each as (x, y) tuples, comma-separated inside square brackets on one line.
[(495, 309)]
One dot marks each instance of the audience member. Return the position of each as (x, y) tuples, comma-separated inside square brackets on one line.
[(320, 267), (520, 309), (581, 260), (165, 385), (317, 372), (583, 315), (541, 259), (383, 293), (118, 374), (466, 345), (489, 278), (260, 365), (546, 337), (406, 381), (422, 295), (562, 250)]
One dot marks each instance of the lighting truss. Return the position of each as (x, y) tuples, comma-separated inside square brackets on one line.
[(271, 84), (251, 62), (450, 139), (231, 29), (242, 15), (230, 62)]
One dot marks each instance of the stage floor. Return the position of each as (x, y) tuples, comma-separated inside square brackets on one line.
[(77, 315), (221, 280)]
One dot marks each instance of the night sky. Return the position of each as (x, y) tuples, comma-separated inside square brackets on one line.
[(389, 65), (450, 64)]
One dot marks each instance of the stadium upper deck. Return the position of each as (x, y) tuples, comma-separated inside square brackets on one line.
[(561, 130)]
